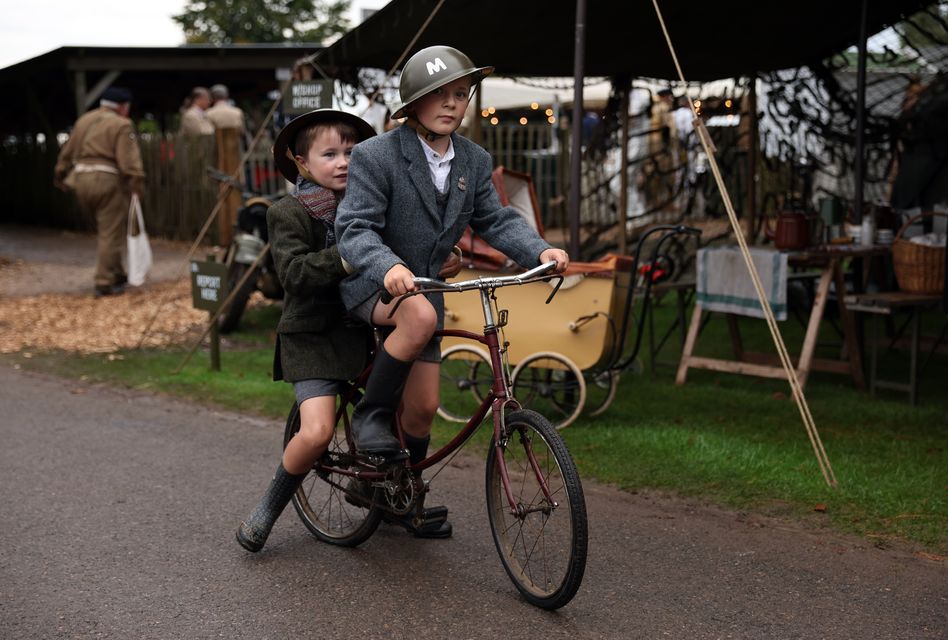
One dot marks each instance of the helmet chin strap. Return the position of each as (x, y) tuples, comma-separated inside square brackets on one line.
[(421, 129)]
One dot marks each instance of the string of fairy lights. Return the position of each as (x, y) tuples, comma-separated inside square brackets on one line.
[(490, 114)]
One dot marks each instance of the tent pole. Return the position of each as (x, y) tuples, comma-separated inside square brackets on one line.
[(860, 115), (623, 213), (575, 187)]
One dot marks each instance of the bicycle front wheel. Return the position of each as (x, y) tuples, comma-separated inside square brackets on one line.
[(333, 506), (543, 544)]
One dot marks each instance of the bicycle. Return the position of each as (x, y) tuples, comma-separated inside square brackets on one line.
[(535, 500)]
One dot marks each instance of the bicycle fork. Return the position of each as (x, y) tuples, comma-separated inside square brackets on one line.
[(501, 439)]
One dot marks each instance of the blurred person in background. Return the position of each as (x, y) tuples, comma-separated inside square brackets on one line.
[(102, 163)]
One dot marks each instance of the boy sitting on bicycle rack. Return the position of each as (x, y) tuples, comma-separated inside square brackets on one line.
[(317, 349), (411, 193)]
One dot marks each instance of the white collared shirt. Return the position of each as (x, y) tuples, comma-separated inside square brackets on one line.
[(439, 165)]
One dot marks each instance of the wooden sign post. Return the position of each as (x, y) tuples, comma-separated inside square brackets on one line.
[(208, 291)]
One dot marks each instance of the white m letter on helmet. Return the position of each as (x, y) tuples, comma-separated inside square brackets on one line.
[(436, 66)]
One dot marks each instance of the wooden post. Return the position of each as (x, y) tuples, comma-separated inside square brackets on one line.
[(215, 343), (623, 213), (228, 159), (860, 162), (80, 88), (576, 153), (752, 146), (477, 129)]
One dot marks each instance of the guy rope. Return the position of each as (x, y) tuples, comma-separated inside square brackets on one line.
[(821, 458)]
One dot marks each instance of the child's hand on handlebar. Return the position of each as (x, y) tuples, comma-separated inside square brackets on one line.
[(399, 280), (554, 255)]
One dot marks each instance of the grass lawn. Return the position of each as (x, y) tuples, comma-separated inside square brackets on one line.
[(724, 438)]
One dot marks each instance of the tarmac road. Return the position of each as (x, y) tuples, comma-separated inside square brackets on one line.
[(118, 511)]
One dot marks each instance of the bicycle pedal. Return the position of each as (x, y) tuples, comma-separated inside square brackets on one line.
[(377, 460)]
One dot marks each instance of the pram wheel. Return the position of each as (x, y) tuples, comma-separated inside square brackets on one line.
[(466, 377), (601, 388), (550, 384)]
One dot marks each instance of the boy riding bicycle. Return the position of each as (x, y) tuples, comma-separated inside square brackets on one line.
[(317, 347), (411, 194)]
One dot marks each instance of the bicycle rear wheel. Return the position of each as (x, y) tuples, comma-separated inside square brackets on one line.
[(325, 501), (543, 546)]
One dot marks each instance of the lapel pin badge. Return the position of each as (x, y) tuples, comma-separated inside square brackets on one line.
[(462, 183)]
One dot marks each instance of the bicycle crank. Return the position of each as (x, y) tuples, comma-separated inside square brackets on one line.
[(401, 489)]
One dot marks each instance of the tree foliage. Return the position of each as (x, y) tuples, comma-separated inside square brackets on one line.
[(262, 21)]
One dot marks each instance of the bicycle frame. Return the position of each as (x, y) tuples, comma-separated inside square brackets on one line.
[(495, 399)]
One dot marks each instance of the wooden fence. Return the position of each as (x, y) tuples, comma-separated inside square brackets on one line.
[(179, 193)]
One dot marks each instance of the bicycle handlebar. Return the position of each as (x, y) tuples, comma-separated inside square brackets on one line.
[(425, 285)]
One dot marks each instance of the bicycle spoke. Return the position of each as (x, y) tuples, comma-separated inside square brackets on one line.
[(542, 546), (321, 501)]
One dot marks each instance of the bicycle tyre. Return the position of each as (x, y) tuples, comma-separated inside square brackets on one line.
[(320, 501), (544, 549), (228, 320), (550, 384), (464, 368)]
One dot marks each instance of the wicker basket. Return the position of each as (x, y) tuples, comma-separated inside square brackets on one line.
[(918, 268)]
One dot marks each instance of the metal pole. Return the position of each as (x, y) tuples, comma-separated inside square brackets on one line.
[(575, 187), (860, 114)]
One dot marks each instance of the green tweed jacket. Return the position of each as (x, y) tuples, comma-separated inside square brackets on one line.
[(315, 338)]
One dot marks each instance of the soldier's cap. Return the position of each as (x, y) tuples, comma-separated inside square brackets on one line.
[(117, 94)]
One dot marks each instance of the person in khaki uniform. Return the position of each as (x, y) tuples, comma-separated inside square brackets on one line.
[(222, 114), (102, 163), (194, 120)]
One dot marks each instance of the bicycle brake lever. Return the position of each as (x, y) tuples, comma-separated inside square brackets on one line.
[(559, 282)]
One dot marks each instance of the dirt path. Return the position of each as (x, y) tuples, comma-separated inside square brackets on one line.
[(46, 297), (34, 261), (127, 532)]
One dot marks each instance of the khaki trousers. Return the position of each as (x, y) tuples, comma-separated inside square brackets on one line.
[(103, 195)]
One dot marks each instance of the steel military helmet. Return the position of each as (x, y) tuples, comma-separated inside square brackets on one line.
[(286, 139), (435, 67)]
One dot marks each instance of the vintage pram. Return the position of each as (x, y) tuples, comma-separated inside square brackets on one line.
[(567, 356)]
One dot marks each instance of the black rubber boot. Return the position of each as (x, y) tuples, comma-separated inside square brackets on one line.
[(373, 417), (433, 522), (253, 532)]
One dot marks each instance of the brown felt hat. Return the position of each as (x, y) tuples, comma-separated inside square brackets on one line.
[(283, 146)]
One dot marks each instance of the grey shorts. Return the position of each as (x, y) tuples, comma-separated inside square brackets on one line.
[(432, 350), (315, 388)]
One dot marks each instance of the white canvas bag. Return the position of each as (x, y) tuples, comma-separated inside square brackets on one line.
[(139, 251)]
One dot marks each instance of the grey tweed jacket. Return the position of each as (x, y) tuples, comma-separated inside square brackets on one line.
[(390, 215)]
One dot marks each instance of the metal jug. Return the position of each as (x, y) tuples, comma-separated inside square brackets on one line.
[(792, 231)]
